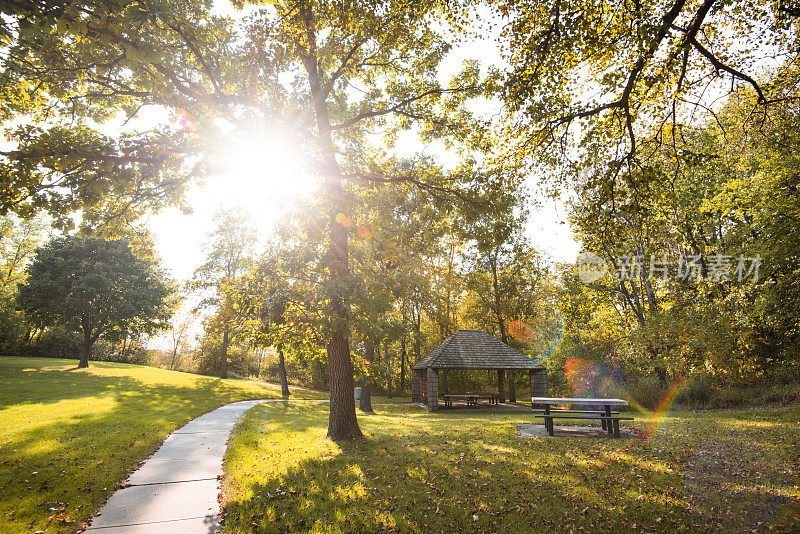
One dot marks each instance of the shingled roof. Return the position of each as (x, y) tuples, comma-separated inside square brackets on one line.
[(474, 349)]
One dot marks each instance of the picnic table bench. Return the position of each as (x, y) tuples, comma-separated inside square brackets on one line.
[(608, 419), (471, 398), (492, 397)]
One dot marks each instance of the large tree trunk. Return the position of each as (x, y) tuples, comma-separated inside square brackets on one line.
[(342, 422), (223, 357), (500, 323), (365, 404), (282, 372), (86, 351), (447, 326), (498, 308)]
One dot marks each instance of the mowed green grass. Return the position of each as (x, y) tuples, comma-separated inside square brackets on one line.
[(466, 472), (68, 436)]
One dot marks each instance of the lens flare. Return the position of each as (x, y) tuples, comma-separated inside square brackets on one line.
[(343, 219), (521, 331), (554, 338), (183, 119), (364, 233), (581, 375), (589, 378), (663, 405)]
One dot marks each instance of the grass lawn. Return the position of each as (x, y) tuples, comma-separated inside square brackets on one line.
[(68, 436), (728, 471)]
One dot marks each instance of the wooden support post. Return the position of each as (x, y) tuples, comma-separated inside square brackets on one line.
[(416, 385), (433, 390), (548, 422), (501, 374), (539, 386)]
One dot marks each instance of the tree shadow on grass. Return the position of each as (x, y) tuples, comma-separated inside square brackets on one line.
[(433, 477)]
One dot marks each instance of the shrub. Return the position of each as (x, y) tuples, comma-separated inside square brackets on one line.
[(695, 393), (57, 343)]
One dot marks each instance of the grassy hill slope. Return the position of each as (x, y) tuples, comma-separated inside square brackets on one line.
[(68, 436)]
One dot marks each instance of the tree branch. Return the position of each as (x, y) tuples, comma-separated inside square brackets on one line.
[(435, 190), (719, 65), (394, 108)]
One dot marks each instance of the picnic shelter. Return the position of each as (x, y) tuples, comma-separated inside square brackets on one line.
[(473, 349)]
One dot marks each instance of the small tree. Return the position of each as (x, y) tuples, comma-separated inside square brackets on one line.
[(228, 256), (95, 287), (180, 329)]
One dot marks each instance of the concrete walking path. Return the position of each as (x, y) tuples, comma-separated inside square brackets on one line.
[(175, 490)]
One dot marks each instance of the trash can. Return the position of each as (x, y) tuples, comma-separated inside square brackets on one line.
[(357, 393)]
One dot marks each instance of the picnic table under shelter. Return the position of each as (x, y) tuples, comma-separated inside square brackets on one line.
[(473, 349)]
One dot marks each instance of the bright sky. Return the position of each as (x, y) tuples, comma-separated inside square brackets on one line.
[(263, 176)]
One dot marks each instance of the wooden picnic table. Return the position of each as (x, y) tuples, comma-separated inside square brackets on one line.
[(609, 420), (471, 397)]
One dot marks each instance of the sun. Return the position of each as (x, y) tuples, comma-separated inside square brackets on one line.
[(260, 172)]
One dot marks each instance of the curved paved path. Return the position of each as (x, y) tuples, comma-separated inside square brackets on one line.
[(175, 490)]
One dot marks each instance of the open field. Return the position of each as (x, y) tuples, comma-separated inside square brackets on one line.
[(730, 471), (68, 436)]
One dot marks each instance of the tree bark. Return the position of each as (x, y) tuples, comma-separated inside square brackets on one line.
[(342, 422), (365, 403), (500, 322), (447, 326), (86, 350), (282, 372)]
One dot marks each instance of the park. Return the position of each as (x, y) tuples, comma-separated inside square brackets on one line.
[(399, 266), (729, 470)]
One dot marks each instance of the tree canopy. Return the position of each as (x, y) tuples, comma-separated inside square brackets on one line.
[(95, 287), (591, 83)]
